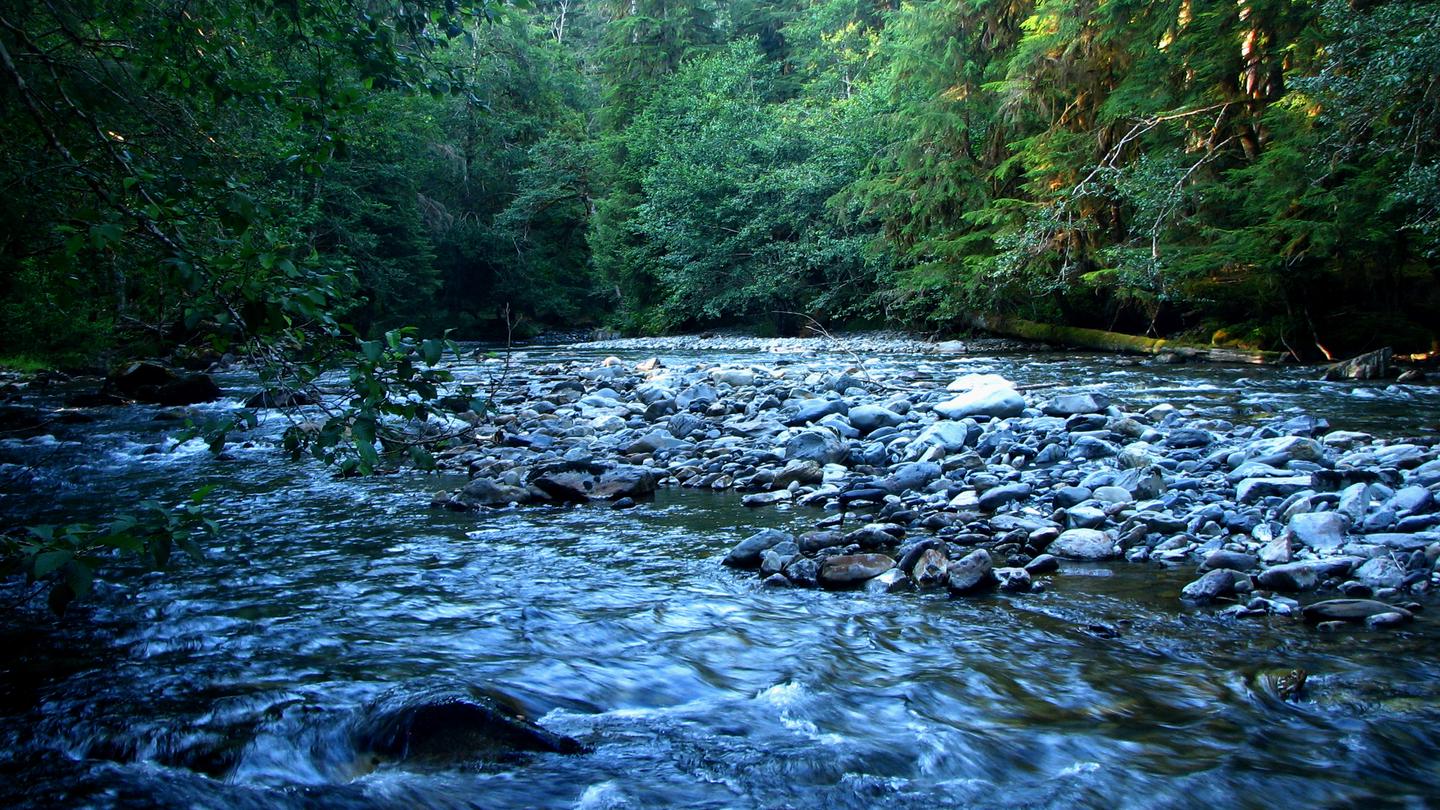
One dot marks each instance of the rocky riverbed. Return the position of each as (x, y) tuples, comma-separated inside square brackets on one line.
[(976, 483)]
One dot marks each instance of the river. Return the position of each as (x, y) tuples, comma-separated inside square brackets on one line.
[(235, 681)]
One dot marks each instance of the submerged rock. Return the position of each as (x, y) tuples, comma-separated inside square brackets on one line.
[(451, 725)]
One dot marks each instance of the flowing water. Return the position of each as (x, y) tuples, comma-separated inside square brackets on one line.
[(236, 681)]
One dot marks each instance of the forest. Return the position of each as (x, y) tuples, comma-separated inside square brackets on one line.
[(207, 177)]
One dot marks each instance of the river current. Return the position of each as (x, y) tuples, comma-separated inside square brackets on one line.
[(234, 681)]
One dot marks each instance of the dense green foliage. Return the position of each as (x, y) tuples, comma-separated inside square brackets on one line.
[(205, 173)]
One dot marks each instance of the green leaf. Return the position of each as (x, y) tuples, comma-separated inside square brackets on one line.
[(48, 562), (432, 351), (373, 350)]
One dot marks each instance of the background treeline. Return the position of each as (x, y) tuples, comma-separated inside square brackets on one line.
[(192, 171)]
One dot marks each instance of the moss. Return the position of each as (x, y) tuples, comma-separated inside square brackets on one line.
[(25, 364)]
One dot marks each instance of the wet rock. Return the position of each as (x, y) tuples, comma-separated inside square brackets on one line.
[(995, 400), (488, 492), (800, 471), (1043, 564), (1369, 366), (803, 571), (768, 498), (1071, 496), (1229, 560), (852, 570), (1070, 404), (733, 377), (892, 581), (1411, 500), (813, 410), (993, 499), (1285, 449), (750, 550), (599, 482), (158, 385), (869, 537), (279, 398), (1211, 586), (1013, 580), (818, 445), (1083, 544), (1189, 437), (1351, 610), (1301, 576), (947, 436), (930, 569), (658, 439), (1380, 572), (1400, 541), (971, 574), (1322, 531), (868, 418), (915, 475), (1252, 490), (451, 725)]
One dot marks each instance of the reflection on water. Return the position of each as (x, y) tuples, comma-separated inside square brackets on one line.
[(233, 683)]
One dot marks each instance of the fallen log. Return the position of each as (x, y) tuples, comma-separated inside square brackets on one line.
[(1100, 340)]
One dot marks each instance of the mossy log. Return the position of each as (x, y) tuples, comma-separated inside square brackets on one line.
[(1100, 340)]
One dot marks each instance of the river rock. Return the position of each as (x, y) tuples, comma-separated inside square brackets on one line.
[(803, 571), (971, 573), (915, 475), (1381, 572), (487, 492), (749, 552), (1295, 576), (800, 471), (998, 401), (1369, 366), (1043, 564), (1013, 580), (948, 436), (813, 410), (852, 570), (892, 581), (1350, 610), (279, 398), (733, 377), (1251, 490), (1211, 586), (1229, 560), (930, 570), (1071, 404), (993, 499), (657, 439), (818, 444), (451, 725), (1285, 449), (1189, 437), (1083, 544), (868, 418), (158, 385), (1322, 531), (1410, 500)]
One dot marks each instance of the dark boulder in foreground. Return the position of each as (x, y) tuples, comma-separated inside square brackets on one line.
[(449, 724), (159, 385)]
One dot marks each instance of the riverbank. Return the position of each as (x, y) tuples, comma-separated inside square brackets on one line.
[(976, 483)]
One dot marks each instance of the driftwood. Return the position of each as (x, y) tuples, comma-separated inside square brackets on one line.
[(1369, 366), (1101, 340)]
